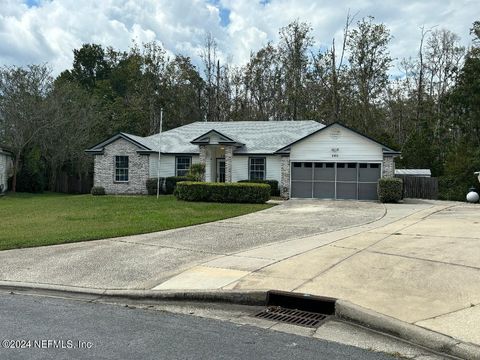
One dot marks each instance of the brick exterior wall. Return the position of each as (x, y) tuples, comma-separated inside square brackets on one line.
[(228, 163), (104, 168), (203, 158), (285, 177), (388, 166)]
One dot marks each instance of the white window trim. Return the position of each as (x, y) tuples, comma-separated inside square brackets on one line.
[(176, 163), (115, 168), (264, 165)]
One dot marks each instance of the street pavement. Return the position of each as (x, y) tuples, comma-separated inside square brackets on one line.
[(49, 328), (416, 261)]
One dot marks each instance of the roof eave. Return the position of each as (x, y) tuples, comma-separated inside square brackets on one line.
[(198, 138), (100, 146)]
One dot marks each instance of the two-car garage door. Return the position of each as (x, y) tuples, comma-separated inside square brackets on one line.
[(329, 180)]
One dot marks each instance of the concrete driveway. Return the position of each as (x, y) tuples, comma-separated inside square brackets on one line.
[(144, 261), (420, 263), (417, 261)]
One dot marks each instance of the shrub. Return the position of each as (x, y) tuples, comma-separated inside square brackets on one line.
[(390, 189), (274, 190), (197, 172), (171, 183), (223, 192), (152, 186), (98, 190), (455, 188)]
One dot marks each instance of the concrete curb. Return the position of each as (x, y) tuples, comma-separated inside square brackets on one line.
[(343, 310), (412, 333), (251, 297)]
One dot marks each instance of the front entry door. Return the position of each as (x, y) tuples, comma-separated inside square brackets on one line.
[(220, 170)]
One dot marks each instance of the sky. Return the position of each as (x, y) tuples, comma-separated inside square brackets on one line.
[(47, 31)]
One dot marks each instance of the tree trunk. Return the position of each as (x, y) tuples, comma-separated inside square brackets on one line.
[(15, 171)]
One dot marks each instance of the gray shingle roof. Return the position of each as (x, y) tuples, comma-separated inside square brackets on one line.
[(259, 137)]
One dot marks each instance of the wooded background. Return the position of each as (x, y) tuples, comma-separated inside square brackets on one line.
[(429, 108)]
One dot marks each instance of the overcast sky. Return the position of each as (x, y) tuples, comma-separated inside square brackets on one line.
[(37, 31)]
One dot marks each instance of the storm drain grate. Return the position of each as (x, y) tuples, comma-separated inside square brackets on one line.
[(292, 316)]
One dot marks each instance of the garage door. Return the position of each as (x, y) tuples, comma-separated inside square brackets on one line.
[(327, 180)]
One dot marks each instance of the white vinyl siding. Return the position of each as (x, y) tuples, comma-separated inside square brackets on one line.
[(274, 167), (239, 167), (5, 164), (167, 164), (336, 144)]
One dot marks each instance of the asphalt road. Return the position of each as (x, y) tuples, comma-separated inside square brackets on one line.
[(115, 332)]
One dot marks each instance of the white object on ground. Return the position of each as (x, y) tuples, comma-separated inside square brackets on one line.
[(472, 197)]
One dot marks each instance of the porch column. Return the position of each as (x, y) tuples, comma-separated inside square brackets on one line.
[(388, 166), (285, 177), (203, 158), (228, 163)]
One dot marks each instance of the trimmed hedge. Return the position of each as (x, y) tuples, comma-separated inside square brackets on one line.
[(274, 190), (152, 186), (390, 189), (171, 183), (97, 190), (223, 192)]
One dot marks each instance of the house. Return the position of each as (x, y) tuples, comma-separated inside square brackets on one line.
[(5, 168), (308, 159)]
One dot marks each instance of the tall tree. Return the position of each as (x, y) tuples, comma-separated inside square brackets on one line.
[(211, 64), (369, 61), (22, 111), (295, 41)]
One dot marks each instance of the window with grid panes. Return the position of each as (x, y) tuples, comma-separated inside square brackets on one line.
[(257, 168), (121, 168), (183, 165)]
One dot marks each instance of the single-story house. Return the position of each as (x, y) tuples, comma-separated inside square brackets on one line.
[(5, 168), (308, 159)]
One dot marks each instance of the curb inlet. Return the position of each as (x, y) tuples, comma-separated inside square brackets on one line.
[(297, 309)]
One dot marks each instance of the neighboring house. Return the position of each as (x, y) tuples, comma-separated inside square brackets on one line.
[(5, 168), (413, 172), (308, 159)]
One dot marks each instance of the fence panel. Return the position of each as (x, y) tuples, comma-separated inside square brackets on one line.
[(420, 187)]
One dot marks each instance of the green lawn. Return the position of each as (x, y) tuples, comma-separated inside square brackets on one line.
[(34, 220)]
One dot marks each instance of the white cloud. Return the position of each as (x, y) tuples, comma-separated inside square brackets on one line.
[(49, 31)]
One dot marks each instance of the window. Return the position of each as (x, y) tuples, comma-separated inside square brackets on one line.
[(257, 168), (329, 165), (363, 166), (307, 165), (121, 168), (340, 165), (319, 165), (374, 166), (352, 165), (182, 165), (297, 164)]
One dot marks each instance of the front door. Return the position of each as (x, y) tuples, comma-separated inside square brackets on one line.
[(220, 170)]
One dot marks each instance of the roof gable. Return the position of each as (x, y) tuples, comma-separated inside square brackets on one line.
[(385, 148), (135, 140), (207, 137)]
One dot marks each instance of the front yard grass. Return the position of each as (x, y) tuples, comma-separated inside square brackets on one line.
[(45, 219)]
